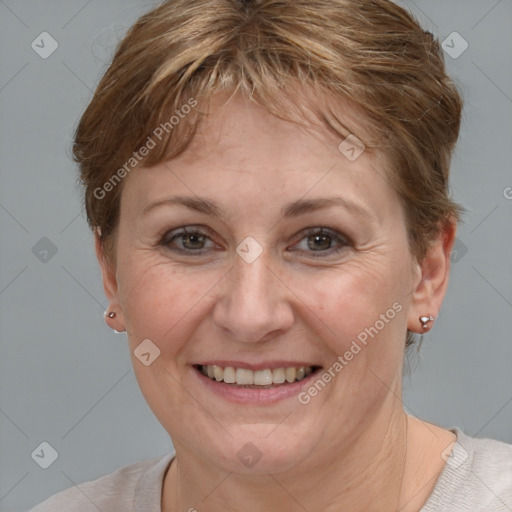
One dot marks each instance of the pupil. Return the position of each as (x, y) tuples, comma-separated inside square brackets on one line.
[(194, 238), (320, 238)]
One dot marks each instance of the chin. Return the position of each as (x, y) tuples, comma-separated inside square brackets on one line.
[(272, 450)]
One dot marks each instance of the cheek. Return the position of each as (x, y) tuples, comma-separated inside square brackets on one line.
[(161, 302), (350, 294), (359, 302)]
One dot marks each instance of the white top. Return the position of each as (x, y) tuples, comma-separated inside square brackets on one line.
[(476, 478)]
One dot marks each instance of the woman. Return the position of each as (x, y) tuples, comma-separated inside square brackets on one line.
[(268, 186)]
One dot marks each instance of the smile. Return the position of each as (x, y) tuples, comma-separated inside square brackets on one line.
[(263, 386), (256, 379)]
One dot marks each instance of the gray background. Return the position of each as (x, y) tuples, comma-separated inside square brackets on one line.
[(67, 379)]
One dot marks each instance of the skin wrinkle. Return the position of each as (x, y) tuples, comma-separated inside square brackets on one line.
[(347, 448)]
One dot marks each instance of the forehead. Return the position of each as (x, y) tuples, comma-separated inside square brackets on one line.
[(230, 122), (242, 150)]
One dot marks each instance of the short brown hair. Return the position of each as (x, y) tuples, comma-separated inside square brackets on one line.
[(372, 54)]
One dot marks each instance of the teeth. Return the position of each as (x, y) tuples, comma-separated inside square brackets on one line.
[(278, 375), (218, 372), (243, 376), (263, 377), (229, 375), (290, 374)]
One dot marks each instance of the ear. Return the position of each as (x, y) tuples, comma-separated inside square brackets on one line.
[(432, 279), (109, 286)]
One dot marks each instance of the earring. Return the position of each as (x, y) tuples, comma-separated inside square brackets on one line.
[(112, 314), (425, 320)]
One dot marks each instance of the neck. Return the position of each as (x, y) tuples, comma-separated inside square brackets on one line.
[(365, 474)]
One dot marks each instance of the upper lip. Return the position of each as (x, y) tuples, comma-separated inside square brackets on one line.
[(257, 366)]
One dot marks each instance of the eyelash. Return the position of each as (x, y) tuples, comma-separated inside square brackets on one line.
[(168, 238)]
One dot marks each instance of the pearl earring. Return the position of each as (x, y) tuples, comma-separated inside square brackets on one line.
[(112, 314), (425, 320)]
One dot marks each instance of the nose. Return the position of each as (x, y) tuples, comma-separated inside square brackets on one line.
[(255, 302)]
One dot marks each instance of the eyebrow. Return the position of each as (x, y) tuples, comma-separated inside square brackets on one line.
[(293, 209)]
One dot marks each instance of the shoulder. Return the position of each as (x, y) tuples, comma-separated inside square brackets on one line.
[(487, 448), (491, 463), (477, 477), (117, 491)]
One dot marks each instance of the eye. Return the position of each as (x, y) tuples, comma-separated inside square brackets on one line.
[(191, 240), (320, 240)]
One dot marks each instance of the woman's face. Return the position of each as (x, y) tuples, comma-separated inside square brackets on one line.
[(259, 288)]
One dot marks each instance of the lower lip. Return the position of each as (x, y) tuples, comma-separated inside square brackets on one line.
[(253, 395)]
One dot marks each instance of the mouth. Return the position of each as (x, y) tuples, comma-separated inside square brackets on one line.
[(256, 379), (262, 386)]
